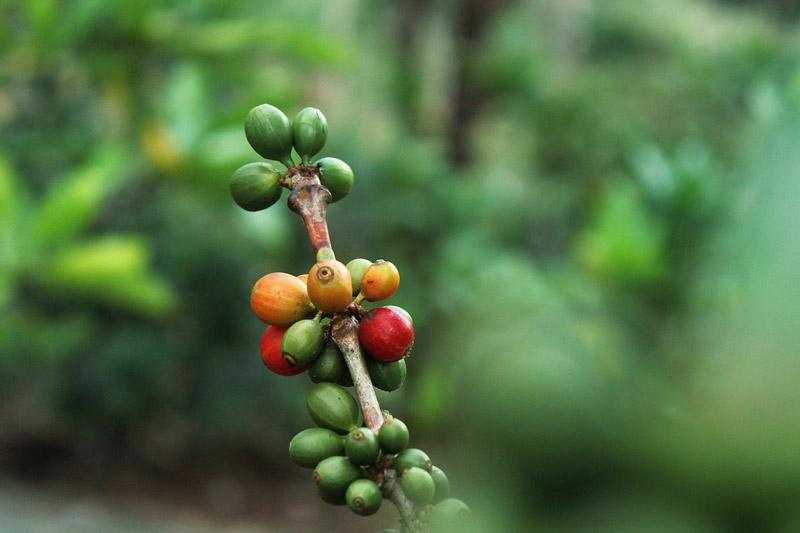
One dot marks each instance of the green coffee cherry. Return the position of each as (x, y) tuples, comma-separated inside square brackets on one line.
[(441, 482), (332, 407), (361, 447), (302, 342), (393, 435), (364, 497), (330, 367), (336, 176), (269, 133), (418, 485), (450, 515), (309, 132), (357, 267), (312, 445), (387, 376), (412, 458), (333, 475), (256, 186)]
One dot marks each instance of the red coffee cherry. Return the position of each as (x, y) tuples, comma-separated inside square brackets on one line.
[(271, 353), (386, 333), (280, 299), (380, 281)]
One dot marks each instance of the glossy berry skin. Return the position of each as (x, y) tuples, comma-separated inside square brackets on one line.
[(336, 176), (386, 376), (280, 299), (332, 477), (302, 342), (386, 334), (331, 367), (271, 353), (269, 132), (332, 407), (393, 436), (256, 186), (303, 278), (329, 286), (412, 457), (380, 281), (441, 482), (418, 485), (309, 132), (361, 447), (313, 445), (364, 497), (357, 267)]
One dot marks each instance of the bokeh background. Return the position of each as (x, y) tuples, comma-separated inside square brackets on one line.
[(594, 207)]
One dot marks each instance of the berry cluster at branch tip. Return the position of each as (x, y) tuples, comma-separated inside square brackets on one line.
[(353, 465)]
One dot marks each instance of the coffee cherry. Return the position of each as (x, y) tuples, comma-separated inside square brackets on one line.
[(387, 376), (393, 435), (386, 334), (380, 281), (402, 312), (303, 278), (330, 367), (361, 447), (280, 299), (332, 407), (412, 457), (309, 132), (364, 497), (256, 186), (312, 445), (269, 132), (332, 477), (271, 353), (329, 286), (418, 485), (450, 515), (441, 482), (336, 176), (357, 267), (302, 342)]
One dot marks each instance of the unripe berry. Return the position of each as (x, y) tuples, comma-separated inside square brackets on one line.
[(393, 435), (269, 132), (309, 132), (312, 445), (412, 457), (256, 186), (330, 367), (280, 299), (450, 515), (332, 477), (329, 286), (271, 353), (332, 407), (441, 482), (364, 497), (361, 447), (387, 376), (336, 176), (386, 334), (418, 485), (380, 281), (357, 267), (302, 342)]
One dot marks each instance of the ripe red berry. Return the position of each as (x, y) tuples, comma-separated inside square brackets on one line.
[(272, 355), (386, 333)]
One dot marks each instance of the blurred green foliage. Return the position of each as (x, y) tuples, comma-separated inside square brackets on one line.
[(605, 293)]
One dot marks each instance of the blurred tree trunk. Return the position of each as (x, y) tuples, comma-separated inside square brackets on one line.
[(472, 18)]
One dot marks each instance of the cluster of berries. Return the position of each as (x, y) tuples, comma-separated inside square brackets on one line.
[(352, 464), (296, 309)]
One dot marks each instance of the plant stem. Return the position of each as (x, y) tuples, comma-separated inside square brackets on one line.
[(309, 199)]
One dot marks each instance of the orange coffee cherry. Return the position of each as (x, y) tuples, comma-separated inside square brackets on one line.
[(330, 287), (380, 281), (280, 299), (303, 278)]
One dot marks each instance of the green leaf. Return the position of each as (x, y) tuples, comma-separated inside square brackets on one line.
[(75, 201), (111, 270)]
